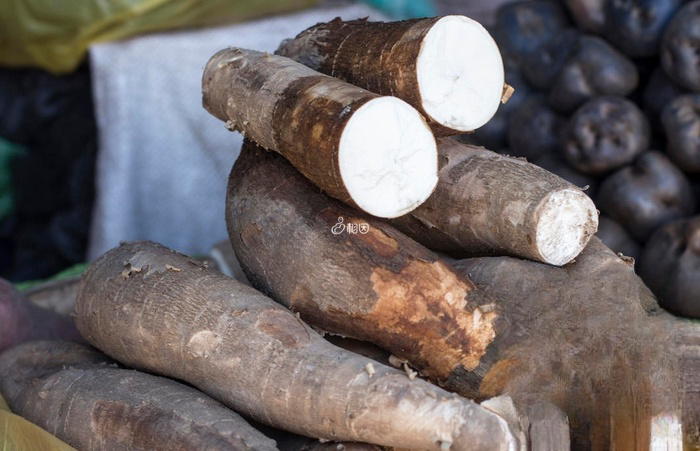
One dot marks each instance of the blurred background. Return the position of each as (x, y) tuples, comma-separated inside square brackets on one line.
[(103, 138), (102, 134)]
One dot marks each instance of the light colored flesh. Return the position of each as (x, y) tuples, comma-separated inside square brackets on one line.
[(666, 433), (460, 73), (567, 218), (388, 158)]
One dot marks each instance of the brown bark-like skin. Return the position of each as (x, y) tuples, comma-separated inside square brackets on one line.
[(588, 337), (484, 204), (378, 286), (85, 399), (286, 107), (160, 311), (377, 56)]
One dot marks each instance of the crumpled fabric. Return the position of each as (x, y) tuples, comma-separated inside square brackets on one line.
[(52, 118), (163, 161), (18, 434), (49, 35)]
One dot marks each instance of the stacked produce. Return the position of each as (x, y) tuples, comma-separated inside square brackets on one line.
[(607, 95), (538, 337)]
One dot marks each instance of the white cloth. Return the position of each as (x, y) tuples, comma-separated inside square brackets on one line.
[(163, 161)]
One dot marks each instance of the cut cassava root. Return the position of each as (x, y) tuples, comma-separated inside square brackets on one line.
[(373, 152), (347, 273), (488, 204), (449, 68), (160, 311), (88, 401)]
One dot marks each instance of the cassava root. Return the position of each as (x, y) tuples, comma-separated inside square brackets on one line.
[(449, 68), (162, 312), (373, 152), (491, 204), (350, 274)]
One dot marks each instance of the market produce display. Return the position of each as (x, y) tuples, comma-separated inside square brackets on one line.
[(606, 96), (160, 311), (410, 290)]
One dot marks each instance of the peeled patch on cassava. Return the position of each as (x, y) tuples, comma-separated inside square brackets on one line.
[(491, 204), (373, 152), (350, 274), (449, 68)]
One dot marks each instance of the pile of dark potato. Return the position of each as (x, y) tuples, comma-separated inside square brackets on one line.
[(607, 95)]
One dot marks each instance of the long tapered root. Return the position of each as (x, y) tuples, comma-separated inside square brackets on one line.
[(160, 311), (491, 204), (375, 153)]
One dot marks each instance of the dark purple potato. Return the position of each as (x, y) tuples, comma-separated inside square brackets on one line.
[(681, 122), (616, 237), (635, 26), (493, 135), (21, 321), (588, 14), (556, 165), (695, 186), (540, 68), (646, 195), (522, 27), (605, 134), (680, 47), (534, 129), (595, 69), (670, 266), (658, 92)]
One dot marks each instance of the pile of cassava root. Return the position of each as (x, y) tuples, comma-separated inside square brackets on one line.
[(525, 333)]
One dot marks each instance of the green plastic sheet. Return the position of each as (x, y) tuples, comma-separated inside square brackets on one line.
[(8, 152), (55, 35)]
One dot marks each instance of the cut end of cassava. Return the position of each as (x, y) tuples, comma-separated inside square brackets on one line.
[(460, 74), (567, 220), (387, 158)]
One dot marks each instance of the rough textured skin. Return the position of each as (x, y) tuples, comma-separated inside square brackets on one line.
[(286, 107), (484, 204), (688, 345), (377, 56), (378, 286), (85, 399), (21, 320), (588, 337), (163, 312)]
